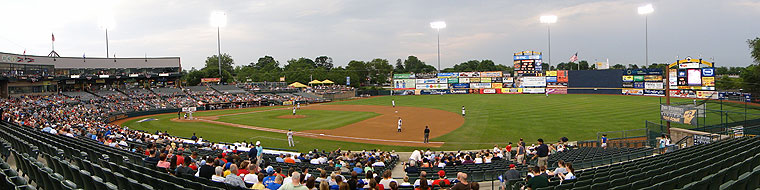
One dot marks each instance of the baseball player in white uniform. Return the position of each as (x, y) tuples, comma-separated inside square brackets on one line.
[(298, 105), (294, 110), (399, 124), (393, 102), (463, 111), (291, 143)]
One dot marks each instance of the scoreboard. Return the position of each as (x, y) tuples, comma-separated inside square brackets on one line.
[(528, 63)]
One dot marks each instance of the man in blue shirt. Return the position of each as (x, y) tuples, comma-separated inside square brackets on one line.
[(604, 141)]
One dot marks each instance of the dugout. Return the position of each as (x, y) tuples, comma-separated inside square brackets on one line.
[(595, 81)]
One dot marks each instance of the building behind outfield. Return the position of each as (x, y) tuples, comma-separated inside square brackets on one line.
[(38, 75)]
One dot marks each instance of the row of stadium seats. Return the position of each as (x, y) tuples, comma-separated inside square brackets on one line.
[(585, 157), (726, 164)]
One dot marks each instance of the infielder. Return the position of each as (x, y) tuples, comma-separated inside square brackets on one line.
[(294, 110), (393, 102), (463, 111), (399, 124), (290, 139)]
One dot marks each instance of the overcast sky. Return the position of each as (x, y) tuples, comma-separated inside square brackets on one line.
[(362, 29)]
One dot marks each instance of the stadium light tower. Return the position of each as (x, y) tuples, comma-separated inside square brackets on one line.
[(106, 22), (438, 25), (219, 20), (548, 20), (646, 10)]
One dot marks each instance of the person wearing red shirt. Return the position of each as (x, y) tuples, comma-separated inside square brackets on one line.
[(441, 178)]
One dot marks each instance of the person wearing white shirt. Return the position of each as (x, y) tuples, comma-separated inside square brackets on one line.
[(416, 156)]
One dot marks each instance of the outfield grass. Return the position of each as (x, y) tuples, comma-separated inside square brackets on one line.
[(491, 119)]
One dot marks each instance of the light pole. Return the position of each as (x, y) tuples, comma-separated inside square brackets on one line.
[(548, 20), (646, 10), (107, 22), (218, 20), (438, 25)]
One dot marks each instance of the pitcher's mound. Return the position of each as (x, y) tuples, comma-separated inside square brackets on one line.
[(291, 116)]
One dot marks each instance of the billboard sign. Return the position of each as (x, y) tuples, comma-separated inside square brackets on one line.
[(496, 85), (474, 80), (652, 78), (551, 79), (442, 80), (638, 78), (511, 90), (431, 86), (460, 85), (551, 73), (469, 74), (453, 80), (627, 78), (708, 81), (490, 74), (480, 85), (632, 91), (447, 75), (679, 114), (648, 92), (403, 76), (694, 77), (708, 72), (534, 90), (485, 79), (654, 85), (562, 76), (404, 84), (211, 79), (526, 57), (533, 81), (557, 90), (464, 80), (488, 91), (427, 81), (638, 85), (627, 85), (689, 65)]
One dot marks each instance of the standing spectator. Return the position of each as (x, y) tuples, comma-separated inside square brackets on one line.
[(604, 141), (664, 141), (521, 152), (508, 151), (542, 152), (512, 173)]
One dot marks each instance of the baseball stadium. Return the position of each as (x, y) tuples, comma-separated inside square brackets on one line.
[(524, 122)]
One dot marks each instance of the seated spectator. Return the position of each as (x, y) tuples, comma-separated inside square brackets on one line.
[(423, 184), (163, 163), (280, 158), (295, 183), (277, 183), (184, 169), (570, 172), (218, 173), (422, 174), (559, 170), (462, 184), (411, 168), (394, 185), (406, 182), (258, 184), (233, 179), (358, 169), (537, 181), (387, 179), (311, 183), (442, 178), (289, 159)]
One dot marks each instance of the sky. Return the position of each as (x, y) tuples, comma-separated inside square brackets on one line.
[(366, 29)]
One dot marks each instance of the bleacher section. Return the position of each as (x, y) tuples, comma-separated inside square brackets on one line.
[(201, 90), (81, 95), (138, 92), (111, 94), (168, 91), (229, 89), (310, 96), (726, 164), (585, 157)]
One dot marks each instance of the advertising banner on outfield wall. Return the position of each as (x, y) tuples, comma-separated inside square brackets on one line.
[(474, 80), (469, 74), (480, 85), (459, 91), (648, 92), (638, 78), (448, 75), (511, 91), (453, 80), (638, 85), (673, 78), (683, 93), (679, 114), (551, 79), (708, 81), (627, 85), (497, 79), (432, 86), (442, 80), (557, 90), (488, 91), (403, 76), (707, 94), (427, 81), (627, 78), (490, 74), (508, 79), (654, 85), (632, 91), (485, 79), (533, 81), (464, 80), (551, 73), (460, 85), (496, 85), (534, 90), (562, 76), (653, 78), (404, 84)]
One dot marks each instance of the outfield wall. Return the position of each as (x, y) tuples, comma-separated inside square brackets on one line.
[(595, 82)]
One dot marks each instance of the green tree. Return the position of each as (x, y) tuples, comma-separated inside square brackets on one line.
[(618, 66), (414, 65), (754, 47), (583, 65), (227, 62), (399, 67), (324, 62), (379, 71), (299, 70)]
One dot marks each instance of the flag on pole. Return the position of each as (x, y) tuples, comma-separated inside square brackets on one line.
[(574, 58), (24, 51), (53, 36)]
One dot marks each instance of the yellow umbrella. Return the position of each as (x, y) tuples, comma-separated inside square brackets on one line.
[(315, 82), (327, 82), (298, 85)]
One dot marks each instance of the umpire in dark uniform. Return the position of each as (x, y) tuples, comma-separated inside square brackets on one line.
[(427, 134)]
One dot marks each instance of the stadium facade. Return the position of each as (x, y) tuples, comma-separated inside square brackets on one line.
[(36, 75)]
